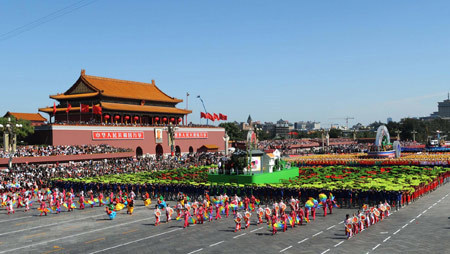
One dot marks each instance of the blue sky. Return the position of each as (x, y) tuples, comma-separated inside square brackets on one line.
[(296, 60)]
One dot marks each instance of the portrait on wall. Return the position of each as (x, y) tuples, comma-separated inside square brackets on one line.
[(158, 135)]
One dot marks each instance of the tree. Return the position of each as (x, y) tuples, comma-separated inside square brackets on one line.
[(233, 131), (263, 135), (335, 133), (239, 160), (22, 132)]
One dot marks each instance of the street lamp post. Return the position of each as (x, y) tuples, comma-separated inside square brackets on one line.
[(10, 139), (414, 132), (226, 138), (323, 142), (398, 134), (170, 134)]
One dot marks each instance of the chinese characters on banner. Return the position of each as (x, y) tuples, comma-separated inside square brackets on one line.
[(101, 135), (189, 134)]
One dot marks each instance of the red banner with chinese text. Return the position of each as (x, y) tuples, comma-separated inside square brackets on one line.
[(190, 134), (118, 135)]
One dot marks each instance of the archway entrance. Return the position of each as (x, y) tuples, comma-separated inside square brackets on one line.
[(191, 150), (138, 152), (159, 151), (177, 150)]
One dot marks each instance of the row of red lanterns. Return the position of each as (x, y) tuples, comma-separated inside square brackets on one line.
[(117, 117), (173, 120), (136, 118)]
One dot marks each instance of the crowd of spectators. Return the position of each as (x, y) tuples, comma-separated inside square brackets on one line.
[(312, 146), (285, 145), (36, 151), (412, 144), (26, 175)]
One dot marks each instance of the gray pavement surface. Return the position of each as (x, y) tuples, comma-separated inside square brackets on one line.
[(421, 227)]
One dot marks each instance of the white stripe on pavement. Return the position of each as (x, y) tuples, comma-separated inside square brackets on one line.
[(331, 227), (303, 240), (397, 231), (70, 236), (318, 233), (386, 239), (21, 218), (325, 251), (214, 244), (240, 235), (376, 246), (49, 225), (195, 251), (339, 243), (135, 241), (256, 229), (287, 248)]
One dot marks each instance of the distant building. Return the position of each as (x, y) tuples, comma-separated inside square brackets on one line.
[(389, 119), (358, 126), (269, 127), (249, 120), (306, 126), (443, 110), (247, 125), (282, 129), (36, 119), (300, 126), (312, 125)]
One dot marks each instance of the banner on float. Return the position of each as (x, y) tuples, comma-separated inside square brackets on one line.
[(117, 135), (190, 134)]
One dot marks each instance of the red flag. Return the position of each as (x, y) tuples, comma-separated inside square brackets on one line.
[(69, 107), (216, 117), (96, 110), (209, 116), (54, 108), (84, 108), (202, 115), (225, 117), (221, 116)]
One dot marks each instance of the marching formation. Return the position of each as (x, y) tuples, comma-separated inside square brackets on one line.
[(368, 217), (279, 216)]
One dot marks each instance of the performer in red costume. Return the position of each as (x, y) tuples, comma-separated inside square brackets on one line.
[(274, 221), (237, 220), (81, 201), (284, 218), (157, 217), (43, 208), (186, 215)]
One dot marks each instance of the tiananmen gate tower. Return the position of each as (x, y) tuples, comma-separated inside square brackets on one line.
[(136, 115)]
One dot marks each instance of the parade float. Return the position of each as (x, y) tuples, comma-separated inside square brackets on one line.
[(438, 144), (382, 147), (253, 166)]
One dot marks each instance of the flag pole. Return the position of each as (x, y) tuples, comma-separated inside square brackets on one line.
[(67, 112), (206, 112), (187, 106)]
